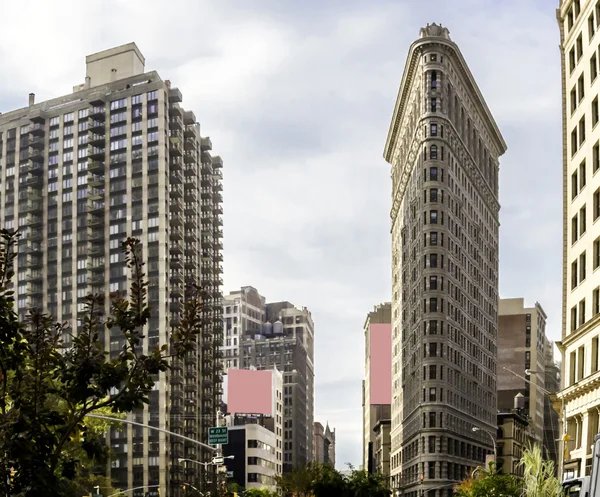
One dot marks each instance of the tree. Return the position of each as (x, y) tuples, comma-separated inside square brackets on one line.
[(323, 480), (47, 389), (488, 483), (361, 483), (538, 475)]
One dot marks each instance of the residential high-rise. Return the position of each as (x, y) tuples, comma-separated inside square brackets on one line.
[(443, 146), (579, 399), (243, 312), (324, 444), (377, 385), (120, 157), (286, 341)]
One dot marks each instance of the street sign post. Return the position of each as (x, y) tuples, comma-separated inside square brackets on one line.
[(217, 461), (229, 474), (218, 435)]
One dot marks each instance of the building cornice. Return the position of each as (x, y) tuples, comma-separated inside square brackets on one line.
[(580, 388)]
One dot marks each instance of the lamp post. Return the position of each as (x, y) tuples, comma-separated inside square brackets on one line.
[(529, 372), (476, 429)]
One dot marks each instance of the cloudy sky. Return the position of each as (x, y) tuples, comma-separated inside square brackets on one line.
[(297, 98)]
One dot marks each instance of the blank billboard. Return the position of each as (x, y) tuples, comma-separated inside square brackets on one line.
[(380, 363), (250, 392)]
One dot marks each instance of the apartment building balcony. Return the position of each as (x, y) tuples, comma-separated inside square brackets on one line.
[(36, 142), (205, 144), (175, 95), (189, 131), (175, 110), (191, 195), (189, 118), (191, 144), (94, 221), (176, 191), (176, 423), (189, 157), (175, 149), (97, 112), (217, 161), (95, 166), (33, 180), (37, 128), (96, 139), (96, 194), (218, 186), (30, 206), (175, 177), (206, 159), (218, 174), (96, 126), (96, 180), (176, 163), (96, 152), (34, 154), (218, 209), (29, 193), (175, 123), (218, 221)]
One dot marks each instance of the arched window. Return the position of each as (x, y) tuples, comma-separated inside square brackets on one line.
[(433, 152)]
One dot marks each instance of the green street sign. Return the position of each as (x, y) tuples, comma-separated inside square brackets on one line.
[(218, 435)]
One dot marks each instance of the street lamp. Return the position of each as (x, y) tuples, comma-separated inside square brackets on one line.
[(476, 429), (529, 372)]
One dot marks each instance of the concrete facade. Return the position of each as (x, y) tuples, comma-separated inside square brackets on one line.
[(117, 158), (443, 146), (372, 413), (579, 400)]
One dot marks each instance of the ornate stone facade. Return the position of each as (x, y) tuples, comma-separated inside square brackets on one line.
[(443, 146)]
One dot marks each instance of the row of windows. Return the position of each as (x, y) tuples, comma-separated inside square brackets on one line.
[(578, 312), (579, 220)]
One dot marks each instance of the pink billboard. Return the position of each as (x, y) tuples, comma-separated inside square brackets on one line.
[(380, 370), (250, 392)]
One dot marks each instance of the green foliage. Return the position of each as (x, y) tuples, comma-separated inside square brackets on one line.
[(489, 483), (322, 480), (538, 475), (47, 442), (259, 492), (361, 483)]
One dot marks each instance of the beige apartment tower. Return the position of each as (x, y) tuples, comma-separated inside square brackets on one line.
[(121, 157), (579, 400), (443, 146)]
